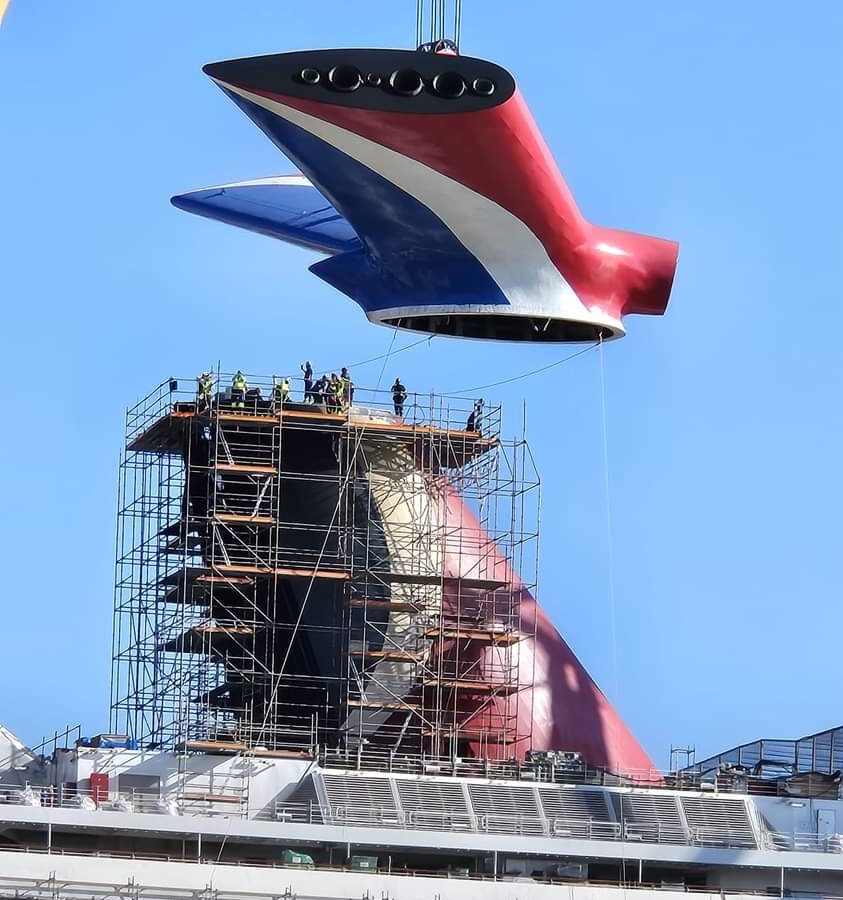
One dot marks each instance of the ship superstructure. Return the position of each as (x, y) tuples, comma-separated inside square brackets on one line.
[(330, 681), (109, 819)]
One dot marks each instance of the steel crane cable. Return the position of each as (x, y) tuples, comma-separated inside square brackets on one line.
[(436, 14), (419, 21), (388, 354), (524, 375), (610, 553)]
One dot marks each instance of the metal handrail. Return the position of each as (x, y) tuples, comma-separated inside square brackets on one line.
[(417, 819), (420, 409), (38, 887), (804, 841)]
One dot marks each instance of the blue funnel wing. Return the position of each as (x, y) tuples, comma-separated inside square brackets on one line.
[(287, 207)]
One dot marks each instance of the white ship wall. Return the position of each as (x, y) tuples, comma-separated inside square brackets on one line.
[(788, 815), (97, 877), (260, 780)]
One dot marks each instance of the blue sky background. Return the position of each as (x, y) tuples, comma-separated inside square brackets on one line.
[(717, 124)]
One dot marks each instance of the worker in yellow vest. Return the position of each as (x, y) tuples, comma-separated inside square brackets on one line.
[(204, 390), (280, 394), (238, 390)]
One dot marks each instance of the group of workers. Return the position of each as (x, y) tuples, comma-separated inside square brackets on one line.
[(335, 393)]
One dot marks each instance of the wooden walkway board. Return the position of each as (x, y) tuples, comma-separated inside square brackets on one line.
[(474, 634), (247, 468), (395, 655), (285, 572), (235, 747), (464, 684), (382, 704), (244, 519), (457, 444), (222, 629)]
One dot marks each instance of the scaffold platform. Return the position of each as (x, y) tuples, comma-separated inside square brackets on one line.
[(294, 576)]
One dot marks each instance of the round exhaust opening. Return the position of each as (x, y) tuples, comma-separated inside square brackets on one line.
[(310, 76), (373, 79), (485, 87), (406, 82), (345, 78), (449, 84)]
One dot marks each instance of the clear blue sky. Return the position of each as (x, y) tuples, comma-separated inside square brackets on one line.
[(717, 124)]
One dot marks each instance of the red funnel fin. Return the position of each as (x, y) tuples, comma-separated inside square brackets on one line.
[(642, 268)]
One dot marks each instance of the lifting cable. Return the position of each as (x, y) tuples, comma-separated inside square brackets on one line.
[(390, 352), (457, 22), (480, 387), (610, 554), (523, 375), (435, 13), (419, 22)]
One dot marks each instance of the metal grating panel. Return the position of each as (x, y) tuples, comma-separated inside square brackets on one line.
[(718, 822), (434, 804), (578, 813), (507, 808), (654, 818), (360, 798)]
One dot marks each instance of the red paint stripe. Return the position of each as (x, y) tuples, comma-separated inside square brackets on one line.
[(564, 708), (501, 154)]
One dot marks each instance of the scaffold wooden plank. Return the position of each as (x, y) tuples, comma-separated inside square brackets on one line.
[(216, 746), (285, 572), (482, 584), (247, 468), (383, 704), (474, 634), (465, 684), (236, 518), (267, 418), (395, 655)]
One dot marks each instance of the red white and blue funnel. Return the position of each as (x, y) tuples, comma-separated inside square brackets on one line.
[(430, 188)]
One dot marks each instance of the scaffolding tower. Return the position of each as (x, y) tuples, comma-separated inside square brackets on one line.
[(293, 575)]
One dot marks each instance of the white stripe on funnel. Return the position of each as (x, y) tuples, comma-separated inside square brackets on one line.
[(501, 242)]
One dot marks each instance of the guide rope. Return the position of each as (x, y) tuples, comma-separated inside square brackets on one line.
[(610, 555), (390, 352), (523, 375)]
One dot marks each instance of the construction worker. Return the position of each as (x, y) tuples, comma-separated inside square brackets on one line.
[(399, 395), (239, 387), (334, 394), (320, 389), (280, 393), (347, 388), (204, 390), (475, 420), (307, 371)]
